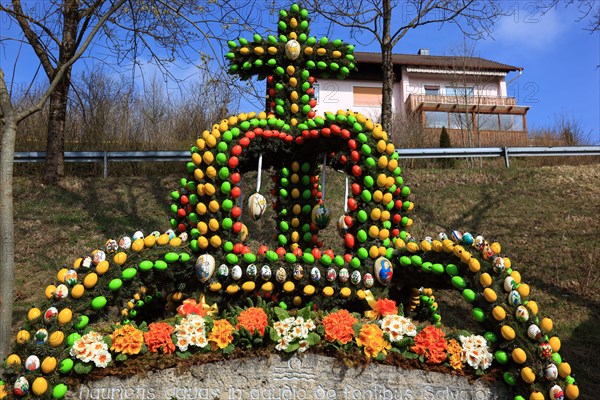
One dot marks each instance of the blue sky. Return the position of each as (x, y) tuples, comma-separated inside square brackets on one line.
[(560, 60)]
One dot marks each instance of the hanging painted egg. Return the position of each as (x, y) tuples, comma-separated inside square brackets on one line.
[(342, 228), (111, 246), (205, 267), (315, 274), (298, 272), (138, 235), (383, 270), (368, 280), (292, 49), (355, 277), (497, 262), (344, 275), (442, 236), (170, 233), (467, 239), (331, 274), (509, 284), (223, 271), (21, 386), (71, 277), (320, 216), (184, 237), (534, 332), (280, 275), (522, 314), (87, 262), (251, 271), (32, 363), (41, 336), (265, 272), (257, 204), (479, 242), (456, 236), (514, 298), (98, 256), (125, 242), (61, 292), (551, 372), (545, 350), (556, 393), (236, 272), (50, 314)]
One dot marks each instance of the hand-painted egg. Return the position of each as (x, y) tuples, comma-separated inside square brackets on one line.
[(265, 272), (111, 246), (257, 204), (315, 274), (556, 393), (251, 271), (344, 275), (497, 262), (534, 332), (138, 235), (551, 372), (509, 284), (156, 234), (50, 314), (383, 270), (522, 314), (368, 280), (467, 239), (41, 336), (479, 242), (205, 267), (98, 256), (442, 236), (170, 233), (21, 386), (243, 235), (32, 363), (236, 272), (71, 277), (514, 298), (355, 277), (292, 49), (342, 228), (298, 272), (125, 242), (87, 262), (331, 274), (456, 236), (184, 237), (280, 275), (320, 216), (428, 239), (61, 292), (223, 271), (545, 350)]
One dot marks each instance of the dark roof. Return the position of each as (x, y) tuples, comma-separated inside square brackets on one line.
[(416, 60)]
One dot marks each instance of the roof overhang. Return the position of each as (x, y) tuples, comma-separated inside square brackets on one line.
[(454, 71), (476, 108)]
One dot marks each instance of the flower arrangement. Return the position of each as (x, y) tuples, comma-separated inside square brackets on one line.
[(475, 352), (455, 354), (431, 344), (397, 327), (293, 333), (127, 340), (339, 326), (253, 319), (91, 348), (371, 339), (158, 338), (221, 334), (190, 331)]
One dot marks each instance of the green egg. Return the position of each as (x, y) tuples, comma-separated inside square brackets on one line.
[(468, 295), (282, 239), (355, 263), (271, 256), (59, 391), (224, 173), (82, 322), (362, 216), (361, 235), (362, 253), (459, 282), (146, 265), (501, 357), (509, 378), (366, 150), (370, 162), (366, 195), (228, 247), (72, 338), (66, 366), (416, 260), (326, 260), (226, 187), (115, 284), (290, 258), (227, 223), (452, 270), (98, 303), (339, 261), (160, 265), (232, 258), (478, 314), (171, 257), (368, 181), (129, 273), (490, 337), (426, 266), (250, 257), (405, 261)]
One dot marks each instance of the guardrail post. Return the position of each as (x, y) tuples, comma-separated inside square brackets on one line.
[(506, 160), (105, 164)]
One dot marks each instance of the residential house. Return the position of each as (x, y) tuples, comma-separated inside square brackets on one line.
[(467, 95)]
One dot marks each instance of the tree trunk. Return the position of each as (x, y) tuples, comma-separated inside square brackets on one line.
[(55, 145), (387, 67), (7, 234)]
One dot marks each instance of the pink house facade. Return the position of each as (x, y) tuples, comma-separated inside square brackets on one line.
[(463, 94)]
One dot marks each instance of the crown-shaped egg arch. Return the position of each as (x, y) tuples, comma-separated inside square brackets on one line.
[(204, 255)]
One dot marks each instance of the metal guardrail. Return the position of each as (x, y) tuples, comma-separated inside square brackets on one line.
[(145, 156)]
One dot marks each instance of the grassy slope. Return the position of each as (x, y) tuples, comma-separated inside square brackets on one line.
[(546, 219)]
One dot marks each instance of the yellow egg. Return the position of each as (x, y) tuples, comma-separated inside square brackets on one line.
[(381, 146), (272, 50), (392, 164), (564, 369), (289, 287), (175, 242), (425, 245), (375, 214), (232, 289), (327, 291), (103, 266), (64, 316), (201, 143), (295, 192), (413, 247), (34, 313), (138, 245), (48, 365), (209, 189), (546, 325), (361, 294), (290, 70), (321, 51), (215, 241), (77, 291), (294, 96), (572, 391), (203, 242), (90, 280), (215, 287), (536, 396), (377, 196), (384, 234), (373, 231), (437, 246), (528, 375), (382, 251), (485, 279), (295, 236), (198, 173), (385, 215), (13, 360), (399, 243), (248, 286), (213, 206), (297, 301), (554, 343), (448, 245), (213, 224), (309, 290), (149, 241), (490, 295), (259, 51), (56, 338), (267, 286), (196, 159), (163, 239), (39, 386), (519, 356), (49, 292), (211, 141), (532, 306), (387, 198), (60, 276), (507, 332), (77, 263), (496, 248), (211, 172), (524, 290), (498, 313), (23, 336), (373, 252), (345, 292)]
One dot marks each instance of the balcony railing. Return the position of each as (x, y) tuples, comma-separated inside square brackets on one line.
[(416, 101)]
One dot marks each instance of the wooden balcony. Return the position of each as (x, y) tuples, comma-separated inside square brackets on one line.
[(484, 104)]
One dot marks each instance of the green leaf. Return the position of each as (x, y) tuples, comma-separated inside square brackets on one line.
[(229, 349), (313, 339), (121, 358), (143, 326), (321, 330), (304, 313), (281, 313), (395, 350), (357, 327), (83, 368), (380, 356), (404, 342), (183, 355), (273, 335), (410, 356), (292, 347)]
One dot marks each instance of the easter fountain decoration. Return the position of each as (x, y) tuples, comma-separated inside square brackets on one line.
[(198, 288)]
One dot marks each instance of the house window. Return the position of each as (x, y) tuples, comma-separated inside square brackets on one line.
[(436, 119), (510, 122), (367, 96), (459, 120), (459, 91), (487, 122), (432, 90), (317, 92)]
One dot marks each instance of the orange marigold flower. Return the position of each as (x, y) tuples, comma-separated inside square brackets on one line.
[(371, 338), (253, 319), (338, 326), (385, 307), (159, 337), (221, 334), (432, 344), (454, 354), (127, 340)]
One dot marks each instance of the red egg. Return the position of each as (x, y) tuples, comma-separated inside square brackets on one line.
[(280, 252), (396, 219), (184, 200), (181, 227), (352, 144), (233, 162), (311, 114), (356, 170), (354, 155), (356, 189), (349, 240), (348, 221), (181, 213), (238, 248), (250, 135), (236, 150), (299, 140), (237, 227), (297, 252), (262, 249), (398, 204), (245, 142), (352, 204), (236, 192), (316, 253), (343, 159), (346, 134), (289, 138), (236, 212), (258, 131), (335, 129), (326, 132), (329, 252), (347, 257), (235, 178)]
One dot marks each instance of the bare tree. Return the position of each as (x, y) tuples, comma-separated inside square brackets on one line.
[(388, 21)]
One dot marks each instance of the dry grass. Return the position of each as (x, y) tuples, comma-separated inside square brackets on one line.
[(545, 218)]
